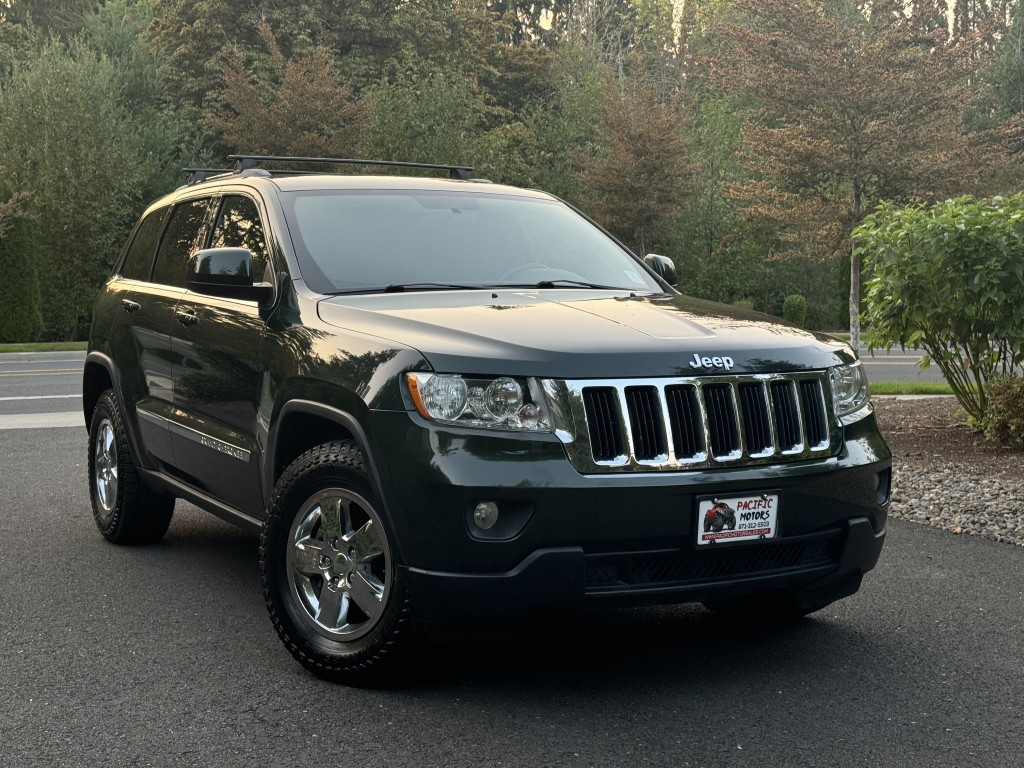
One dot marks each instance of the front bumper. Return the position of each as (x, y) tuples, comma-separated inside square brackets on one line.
[(615, 539), (824, 567)]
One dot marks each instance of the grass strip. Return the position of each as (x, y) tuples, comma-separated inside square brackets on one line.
[(49, 346), (910, 388)]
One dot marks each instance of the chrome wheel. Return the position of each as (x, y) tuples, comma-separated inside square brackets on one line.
[(339, 565), (126, 510), (105, 467)]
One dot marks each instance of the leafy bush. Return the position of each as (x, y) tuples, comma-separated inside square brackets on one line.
[(71, 146), (1004, 420), (948, 278), (20, 317), (794, 309)]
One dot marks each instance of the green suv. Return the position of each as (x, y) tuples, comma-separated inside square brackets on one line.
[(440, 399)]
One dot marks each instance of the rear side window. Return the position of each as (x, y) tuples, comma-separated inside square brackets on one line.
[(239, 226), (180, 241), (139, 259)]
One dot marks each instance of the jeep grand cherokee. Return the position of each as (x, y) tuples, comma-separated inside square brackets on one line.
[(439, 399)]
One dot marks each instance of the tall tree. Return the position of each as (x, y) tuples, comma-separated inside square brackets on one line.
[(62, 18), (1007, 75), (852, 108), (637, 179), (296, 106), (116, 32), (68, 142)]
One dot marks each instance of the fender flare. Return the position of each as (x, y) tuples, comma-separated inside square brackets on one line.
[(344, 420), (95, 358)]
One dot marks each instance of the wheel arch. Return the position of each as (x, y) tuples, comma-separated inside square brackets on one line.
[(304, 424), (97, 376)]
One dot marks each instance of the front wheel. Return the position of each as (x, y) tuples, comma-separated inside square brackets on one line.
[(330, 580), (125, 509)]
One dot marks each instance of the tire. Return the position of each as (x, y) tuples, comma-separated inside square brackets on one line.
[(730, 523), (719, 522), (331, 581), (125, 509)]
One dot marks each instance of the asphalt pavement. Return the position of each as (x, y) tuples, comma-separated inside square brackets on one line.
[(37, 383), (164, 656), (898, 365)]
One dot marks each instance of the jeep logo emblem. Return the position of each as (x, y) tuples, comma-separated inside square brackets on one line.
[(711, 362)]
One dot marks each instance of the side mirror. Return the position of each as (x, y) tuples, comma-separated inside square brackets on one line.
[(663, 267), (227, 273)]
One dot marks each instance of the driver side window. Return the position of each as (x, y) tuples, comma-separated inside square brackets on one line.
[(239, 226)]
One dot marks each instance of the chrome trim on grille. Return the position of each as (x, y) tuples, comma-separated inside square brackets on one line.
[(642, 425)]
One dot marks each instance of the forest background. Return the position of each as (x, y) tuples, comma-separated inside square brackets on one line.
[(745, 139)]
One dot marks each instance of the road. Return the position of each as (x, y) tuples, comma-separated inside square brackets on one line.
[(41, 389), (897, 365), (164, 656)]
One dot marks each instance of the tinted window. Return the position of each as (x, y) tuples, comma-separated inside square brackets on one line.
[(180, 241), (239, 226), (367, 239), (139, 259)]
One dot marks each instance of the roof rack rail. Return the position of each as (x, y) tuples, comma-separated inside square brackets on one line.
[(197, 175), (244, 162)]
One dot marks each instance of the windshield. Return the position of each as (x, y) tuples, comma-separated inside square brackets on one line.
[(370, 240)]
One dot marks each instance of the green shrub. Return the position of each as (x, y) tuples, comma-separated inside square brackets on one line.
[(948, 278), (21, 318), (794, 309), (1004, 419), (744, 303)]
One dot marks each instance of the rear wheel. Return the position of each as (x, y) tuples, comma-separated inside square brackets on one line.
[(125, 509), (330, 580)]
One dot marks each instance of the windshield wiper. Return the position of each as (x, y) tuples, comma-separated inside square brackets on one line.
[(578, 283), (402, 287)]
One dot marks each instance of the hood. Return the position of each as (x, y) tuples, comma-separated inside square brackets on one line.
[(575, 334)]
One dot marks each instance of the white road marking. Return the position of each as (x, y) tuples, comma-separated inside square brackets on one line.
[(42, 397), (40, 372), (42, 420)]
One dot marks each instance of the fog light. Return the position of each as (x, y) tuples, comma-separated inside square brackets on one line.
[(883, 486), (485, 515)]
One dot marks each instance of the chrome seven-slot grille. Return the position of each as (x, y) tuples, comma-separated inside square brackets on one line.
[(694, 423)]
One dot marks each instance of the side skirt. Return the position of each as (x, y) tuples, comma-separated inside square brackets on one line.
[(161, 482)]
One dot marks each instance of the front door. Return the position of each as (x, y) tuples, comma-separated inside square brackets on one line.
[(218, 381)]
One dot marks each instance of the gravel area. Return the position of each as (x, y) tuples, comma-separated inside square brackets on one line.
[(948, 476)]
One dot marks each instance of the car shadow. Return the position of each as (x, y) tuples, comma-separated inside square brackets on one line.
[(649, 646)]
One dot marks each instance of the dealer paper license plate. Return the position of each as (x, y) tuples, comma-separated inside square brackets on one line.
[(737, 518)]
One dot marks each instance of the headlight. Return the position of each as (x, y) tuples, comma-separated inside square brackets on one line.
[(502, 402), (849, 388)]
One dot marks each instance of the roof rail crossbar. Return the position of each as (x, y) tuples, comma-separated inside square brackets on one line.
[(242, 162), (197, 175)]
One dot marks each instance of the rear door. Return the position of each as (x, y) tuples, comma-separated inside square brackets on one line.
[(151, 306), (140, 336)]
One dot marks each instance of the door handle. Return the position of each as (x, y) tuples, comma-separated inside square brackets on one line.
[(185, 318), (130, 306)]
